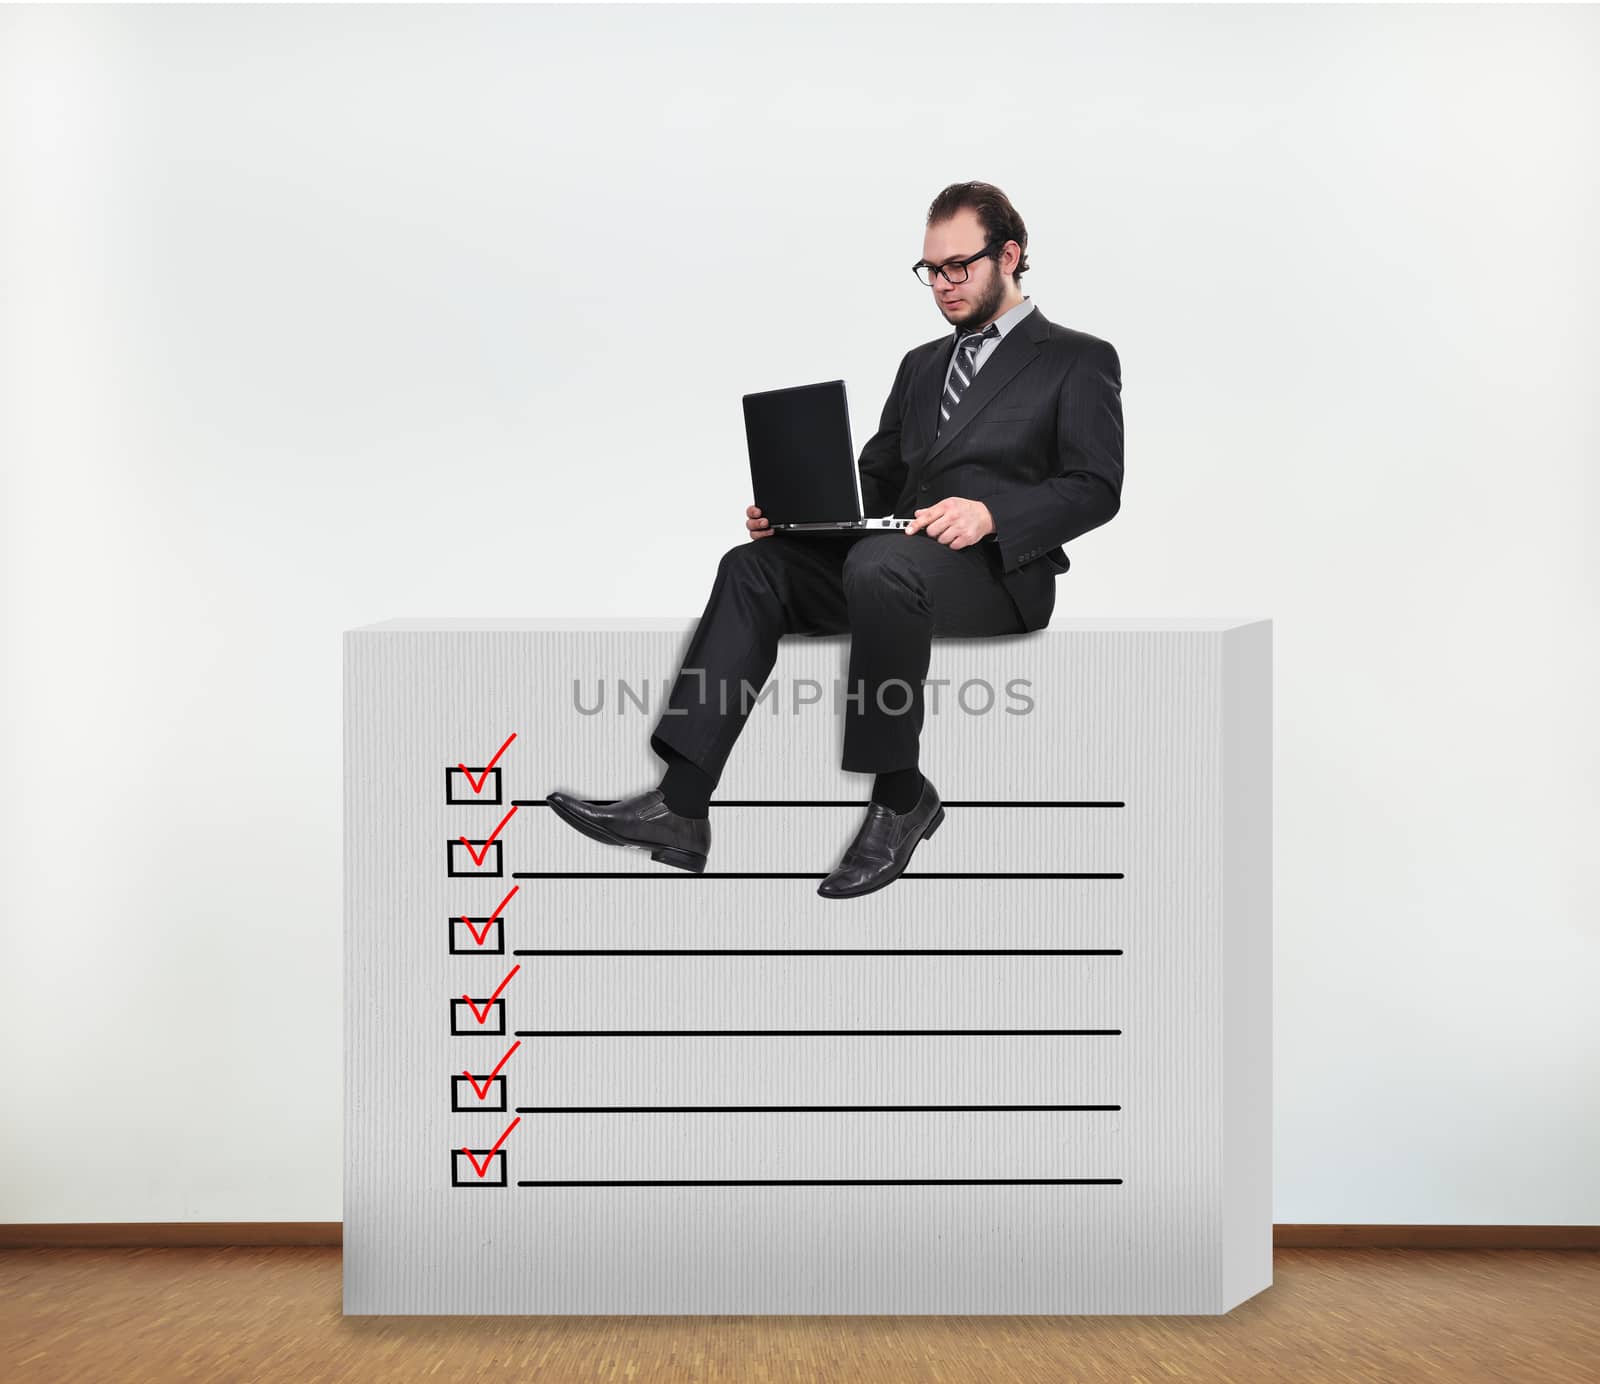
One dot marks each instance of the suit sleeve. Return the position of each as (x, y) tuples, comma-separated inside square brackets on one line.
[(1087, 490), (882, 470)]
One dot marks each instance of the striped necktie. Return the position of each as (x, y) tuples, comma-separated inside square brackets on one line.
[(962, 371)]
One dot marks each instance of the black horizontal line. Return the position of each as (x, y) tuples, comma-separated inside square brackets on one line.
[(857, 1182), (861, 802), (771, 1109), (815, 1032), (807, 874), (850, 951)]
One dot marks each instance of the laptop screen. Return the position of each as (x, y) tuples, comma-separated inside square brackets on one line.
[(802, 463)]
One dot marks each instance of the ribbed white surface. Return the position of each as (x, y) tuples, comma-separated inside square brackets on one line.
[(1174, 723)]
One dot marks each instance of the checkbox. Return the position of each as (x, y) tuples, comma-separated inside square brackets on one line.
[(464, 1095), (458, 789), (465, 1021), (464, 934), (463, 862), (464, 1174)]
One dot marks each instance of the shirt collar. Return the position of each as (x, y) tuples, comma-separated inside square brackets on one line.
[(1007, 320)]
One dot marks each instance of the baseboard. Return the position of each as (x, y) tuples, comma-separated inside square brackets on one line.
[(1436, 1236), (169, 1234), (219, 1234)]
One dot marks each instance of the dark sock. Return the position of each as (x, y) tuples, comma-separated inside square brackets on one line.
[(899, 790), (686, 786)]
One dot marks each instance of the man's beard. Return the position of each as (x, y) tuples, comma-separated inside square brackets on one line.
[(984, 309)]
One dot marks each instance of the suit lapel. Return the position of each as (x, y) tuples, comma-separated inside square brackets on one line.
[(1016, 349)]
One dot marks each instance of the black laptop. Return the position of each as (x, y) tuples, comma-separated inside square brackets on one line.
[(802, 465)]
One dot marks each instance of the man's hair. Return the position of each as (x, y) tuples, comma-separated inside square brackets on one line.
[(999, 219)]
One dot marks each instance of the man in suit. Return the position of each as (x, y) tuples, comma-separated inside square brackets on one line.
[(1001, 440)]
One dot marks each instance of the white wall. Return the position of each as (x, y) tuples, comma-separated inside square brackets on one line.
[(314, 317)]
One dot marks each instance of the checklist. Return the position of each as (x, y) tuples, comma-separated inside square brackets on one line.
[(1032, 1076)]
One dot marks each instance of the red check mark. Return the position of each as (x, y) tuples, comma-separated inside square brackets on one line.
[(477, 856), (483, 1091), (482, 1016), (488, 922), (482, 1168), (477, 783)]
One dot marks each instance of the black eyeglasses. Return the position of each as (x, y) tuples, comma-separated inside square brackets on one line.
[(954, 271)]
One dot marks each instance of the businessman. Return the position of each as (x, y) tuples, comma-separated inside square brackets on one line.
[(1002, 441)]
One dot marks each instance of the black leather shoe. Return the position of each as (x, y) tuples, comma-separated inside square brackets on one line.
[(643, 822), (882, 848)]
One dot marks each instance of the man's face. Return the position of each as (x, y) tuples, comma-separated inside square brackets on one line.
[(976, 302)]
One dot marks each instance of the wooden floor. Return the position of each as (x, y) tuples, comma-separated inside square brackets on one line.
[(266, 1314)]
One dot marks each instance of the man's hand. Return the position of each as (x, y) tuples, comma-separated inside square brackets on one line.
[(955, 522), (759, 527)]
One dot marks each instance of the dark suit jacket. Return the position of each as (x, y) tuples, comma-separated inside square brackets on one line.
[(1037, 437)]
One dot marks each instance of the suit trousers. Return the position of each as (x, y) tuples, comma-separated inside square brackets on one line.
[(892, 592)]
